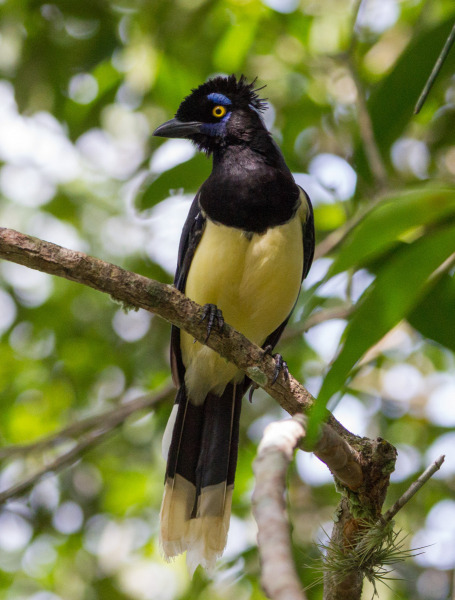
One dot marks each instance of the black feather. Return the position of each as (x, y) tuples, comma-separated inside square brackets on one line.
[(239, 91), (242, 123)]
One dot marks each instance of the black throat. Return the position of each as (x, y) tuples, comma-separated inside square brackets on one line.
[(250, 187)]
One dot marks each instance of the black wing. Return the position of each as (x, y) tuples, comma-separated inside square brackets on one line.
[(191, 236), (308, 237)]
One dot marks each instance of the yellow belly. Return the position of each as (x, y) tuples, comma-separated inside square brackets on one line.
[(255, 282)]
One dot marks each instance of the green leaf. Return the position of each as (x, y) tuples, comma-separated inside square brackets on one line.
[(442, 129), (397, 289), (398, 92), (396, 218), (329, 216), (125, 489), (391, 102), (187, 176), (434, 316), (233, 48)]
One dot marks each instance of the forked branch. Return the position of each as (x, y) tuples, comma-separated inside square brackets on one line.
[(359, 547)]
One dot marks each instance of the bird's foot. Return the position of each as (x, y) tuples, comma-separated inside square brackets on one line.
[(214, 317), (280, 364)]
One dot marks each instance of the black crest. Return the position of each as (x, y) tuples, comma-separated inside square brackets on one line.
[(239, 92)]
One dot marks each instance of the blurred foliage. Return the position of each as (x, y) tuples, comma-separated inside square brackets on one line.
[(82, 86)]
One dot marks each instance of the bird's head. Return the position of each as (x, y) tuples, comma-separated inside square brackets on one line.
[(223, 111)]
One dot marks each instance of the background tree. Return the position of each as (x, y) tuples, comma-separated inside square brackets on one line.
[(83, 84)]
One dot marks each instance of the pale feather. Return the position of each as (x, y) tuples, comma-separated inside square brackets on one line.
[(202, 537), (254, 280)]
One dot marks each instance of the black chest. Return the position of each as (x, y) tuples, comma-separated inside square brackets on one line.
[(247, 193)]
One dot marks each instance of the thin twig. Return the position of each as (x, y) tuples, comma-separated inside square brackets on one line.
[(316, 318), (443, 268), (373, 155), (110, 418), (435, 71), (336, 312), (413, 489), (331, 241), (355, 15), (89, 440)]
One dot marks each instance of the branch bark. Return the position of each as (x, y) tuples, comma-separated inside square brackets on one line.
[(358, 536), (353, 512), (279, 578)]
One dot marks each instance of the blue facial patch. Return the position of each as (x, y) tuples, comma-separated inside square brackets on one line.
[(219, 99), (216, 129)]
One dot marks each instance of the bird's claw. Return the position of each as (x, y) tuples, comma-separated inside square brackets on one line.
[(253, 388), (280, 364), (214, 316)]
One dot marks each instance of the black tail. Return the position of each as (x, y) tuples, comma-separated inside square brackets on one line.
[(200, 476)]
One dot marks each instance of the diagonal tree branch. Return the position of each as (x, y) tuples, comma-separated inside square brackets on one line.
[(108, 419), (336, 446), (93, 429), (88, 441)]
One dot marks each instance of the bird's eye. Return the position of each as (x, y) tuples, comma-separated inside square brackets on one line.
[(218, 111)]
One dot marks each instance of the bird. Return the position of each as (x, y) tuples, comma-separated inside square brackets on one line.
[(246, 246)]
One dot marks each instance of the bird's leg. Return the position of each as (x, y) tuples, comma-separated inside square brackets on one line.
[(280, 364), (214, 316)]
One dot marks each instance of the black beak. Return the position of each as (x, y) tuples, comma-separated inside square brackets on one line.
[(178, 129)]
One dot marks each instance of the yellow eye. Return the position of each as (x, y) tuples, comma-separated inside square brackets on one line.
[(218, 111)]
